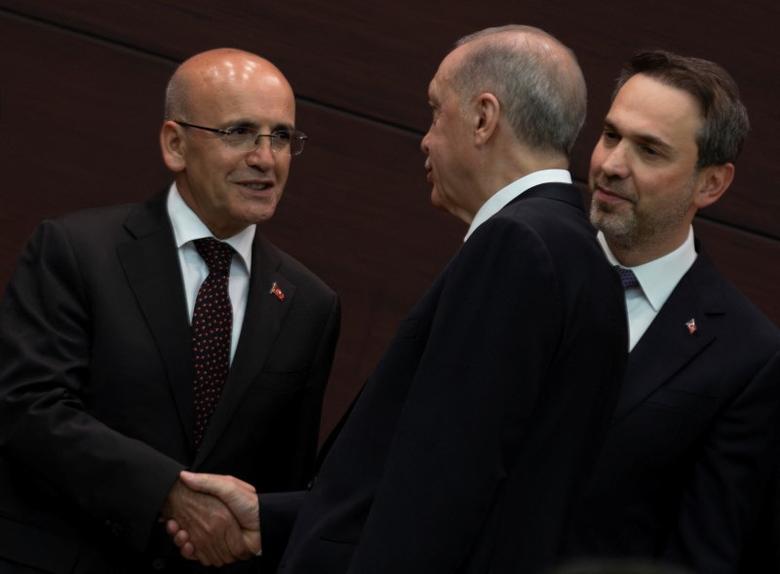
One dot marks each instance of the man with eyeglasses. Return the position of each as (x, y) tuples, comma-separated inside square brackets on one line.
[(478, 429), (137, 341)]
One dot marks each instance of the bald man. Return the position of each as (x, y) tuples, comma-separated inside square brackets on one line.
[(477, 431), (140, 340)]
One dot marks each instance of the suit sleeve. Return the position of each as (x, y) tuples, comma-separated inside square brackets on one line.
[(494, 332), (46, 430), (717, 507), (278, 512)]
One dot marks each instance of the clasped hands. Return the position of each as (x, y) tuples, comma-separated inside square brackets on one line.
[(213, 519)]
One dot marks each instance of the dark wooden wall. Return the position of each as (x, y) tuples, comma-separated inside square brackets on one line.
[(81, 103)]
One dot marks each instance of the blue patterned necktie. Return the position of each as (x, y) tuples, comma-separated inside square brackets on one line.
[(627, 277)]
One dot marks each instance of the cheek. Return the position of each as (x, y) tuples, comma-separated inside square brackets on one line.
[(653, 184), (446, 150), (218, 171), (282, 169), (655, 190), (437, 138)]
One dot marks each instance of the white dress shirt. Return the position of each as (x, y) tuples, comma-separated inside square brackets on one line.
[(657, 279), (188, 227), (507, 193)]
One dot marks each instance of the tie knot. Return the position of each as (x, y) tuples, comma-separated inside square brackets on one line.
[(627, 277), (216, 254)]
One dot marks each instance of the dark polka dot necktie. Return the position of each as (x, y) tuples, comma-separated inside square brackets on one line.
[(212, 327)]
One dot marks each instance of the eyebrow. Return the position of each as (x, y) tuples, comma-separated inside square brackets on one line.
[(643, 138), (253, 124)]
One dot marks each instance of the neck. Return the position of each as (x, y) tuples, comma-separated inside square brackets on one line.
[(634, 254), (513, 164)]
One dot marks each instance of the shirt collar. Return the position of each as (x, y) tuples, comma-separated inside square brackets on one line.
[(507, 193), (187, 227), (659, 277)]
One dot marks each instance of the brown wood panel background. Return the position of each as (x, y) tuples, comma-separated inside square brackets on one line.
[(81, 102)]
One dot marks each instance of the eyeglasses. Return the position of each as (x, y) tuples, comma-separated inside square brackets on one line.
[(247, 139)]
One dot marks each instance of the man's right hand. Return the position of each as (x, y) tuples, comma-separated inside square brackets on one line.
[(240, 499), (206, 529)]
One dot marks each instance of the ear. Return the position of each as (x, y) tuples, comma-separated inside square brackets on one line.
[(173, 146), (488, 111), (714, 180)]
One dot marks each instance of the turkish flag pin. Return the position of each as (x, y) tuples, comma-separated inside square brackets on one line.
[(277, 292), (691, 326)]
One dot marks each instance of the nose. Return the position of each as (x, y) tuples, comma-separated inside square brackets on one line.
[(613, 161), (262, 157), (424, 143)]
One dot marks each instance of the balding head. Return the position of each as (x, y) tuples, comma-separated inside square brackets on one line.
[(534, 76), (207, 72), (210, 95)]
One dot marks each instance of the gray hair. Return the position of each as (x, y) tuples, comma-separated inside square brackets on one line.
[(536, 79), (176, 98)]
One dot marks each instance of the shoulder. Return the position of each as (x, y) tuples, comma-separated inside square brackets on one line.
[(545, 239), (746, 319), (549, 217), (97, 216), (100, 227), (551, 202), (87, 230), (742, 339), (102, 218)]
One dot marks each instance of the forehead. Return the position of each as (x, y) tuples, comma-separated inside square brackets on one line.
[(442, 79), (241, 89), (647, 106)]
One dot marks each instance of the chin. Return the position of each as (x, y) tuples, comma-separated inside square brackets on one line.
[(436, 200), (263, 216), (252, 217), (620, 229), (261, 210)]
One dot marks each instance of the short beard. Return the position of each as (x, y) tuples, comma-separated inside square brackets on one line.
[(619, 228), (631, 230)]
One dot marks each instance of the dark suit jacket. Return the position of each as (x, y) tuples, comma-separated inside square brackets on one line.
[(686, 454), (473, 435), (96, 405)]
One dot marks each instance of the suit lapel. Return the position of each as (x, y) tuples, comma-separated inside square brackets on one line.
[(668, 345), (265, 311), (152, 269)]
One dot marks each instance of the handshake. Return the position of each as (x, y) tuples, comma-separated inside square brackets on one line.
[(213, 519)]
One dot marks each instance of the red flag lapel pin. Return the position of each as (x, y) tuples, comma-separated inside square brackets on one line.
[(691, 326), (277, 292)]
